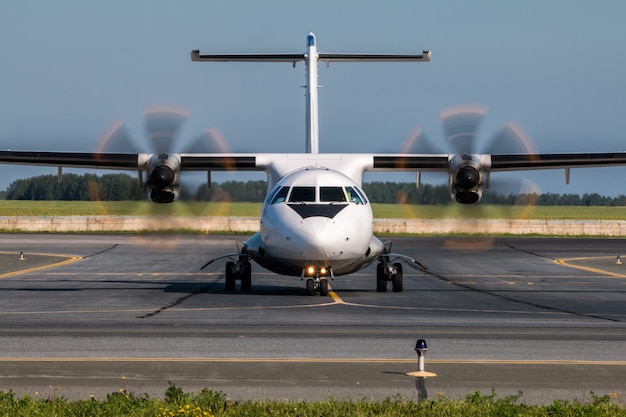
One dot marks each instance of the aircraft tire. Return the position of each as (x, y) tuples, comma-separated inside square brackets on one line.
[(310, 286), (381, 282), (397, 279), (323, 287), (246, 278), (229, 282)]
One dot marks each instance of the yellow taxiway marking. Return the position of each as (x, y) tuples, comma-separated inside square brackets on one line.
[(277, 307), (564, 262), (334, 296), (317, 360), (69, 260)]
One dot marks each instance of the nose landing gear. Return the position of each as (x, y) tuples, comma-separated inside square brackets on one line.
[(317, 284), (316, 281)]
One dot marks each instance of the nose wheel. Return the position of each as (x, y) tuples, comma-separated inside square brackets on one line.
[(317, 285)]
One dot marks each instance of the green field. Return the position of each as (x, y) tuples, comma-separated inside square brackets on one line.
[(125, 208), (390, 211)]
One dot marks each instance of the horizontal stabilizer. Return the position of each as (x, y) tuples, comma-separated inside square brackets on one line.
[(196, 57), (424, 57)]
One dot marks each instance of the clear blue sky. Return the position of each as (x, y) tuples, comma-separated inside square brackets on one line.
[(70, 69)]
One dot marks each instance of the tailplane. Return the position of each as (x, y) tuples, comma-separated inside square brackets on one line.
[(311, 59)]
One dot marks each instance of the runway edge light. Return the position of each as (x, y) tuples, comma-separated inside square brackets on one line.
[(421, 375), (421, 348)]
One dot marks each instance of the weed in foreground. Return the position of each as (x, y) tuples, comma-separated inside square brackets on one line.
[(209, 403)]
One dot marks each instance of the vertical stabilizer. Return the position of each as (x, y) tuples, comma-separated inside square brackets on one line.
[(311, 58), (312, 120)]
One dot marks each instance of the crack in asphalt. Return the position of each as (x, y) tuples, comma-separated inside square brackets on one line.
[(514, 300), (177, 302), (202, 289), (102, 251)]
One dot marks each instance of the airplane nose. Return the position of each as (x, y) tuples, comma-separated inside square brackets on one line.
[(325, 236)]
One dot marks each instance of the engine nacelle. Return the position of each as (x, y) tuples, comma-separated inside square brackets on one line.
[(163, 177), (466, 178)]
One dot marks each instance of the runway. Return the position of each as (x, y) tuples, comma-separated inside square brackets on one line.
[(88, 315)]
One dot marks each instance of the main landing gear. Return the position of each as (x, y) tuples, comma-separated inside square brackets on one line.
[(317, 285), (238, 271), (389, 272)]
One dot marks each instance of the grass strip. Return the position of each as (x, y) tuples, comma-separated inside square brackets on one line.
[(14, 208), (177, 403)]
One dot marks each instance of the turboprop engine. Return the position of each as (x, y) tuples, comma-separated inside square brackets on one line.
[(164, 177), (466, 178)]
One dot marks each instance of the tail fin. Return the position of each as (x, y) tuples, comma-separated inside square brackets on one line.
[(311, 59)]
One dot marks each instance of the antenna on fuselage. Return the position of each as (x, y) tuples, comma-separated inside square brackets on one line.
[(311, 58)]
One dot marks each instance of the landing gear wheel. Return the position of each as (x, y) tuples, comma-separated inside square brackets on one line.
[(381, 281), (246, 277), (229, 284), (323, 287), (310, 286), (397, 279)]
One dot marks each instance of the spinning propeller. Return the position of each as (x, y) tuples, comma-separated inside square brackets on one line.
[(468, 174), (162, 125)]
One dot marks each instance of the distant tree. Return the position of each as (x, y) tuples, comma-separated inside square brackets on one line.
[(123, 187), (116, 187), (76, 188), (252, 191)]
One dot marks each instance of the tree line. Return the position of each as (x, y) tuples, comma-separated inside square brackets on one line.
[(123, 187)]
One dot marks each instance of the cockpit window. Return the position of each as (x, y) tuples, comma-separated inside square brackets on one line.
[(281, 195), (332, 194), (302, 195), (355, 196), (272, 194)]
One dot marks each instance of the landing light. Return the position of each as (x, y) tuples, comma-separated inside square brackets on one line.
[(312, 271)]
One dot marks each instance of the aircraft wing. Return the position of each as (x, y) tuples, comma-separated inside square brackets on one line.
[(120, 161), (555, 160), (493, 163), (468, 174), (162, 170), (260, 162), (126, 161)]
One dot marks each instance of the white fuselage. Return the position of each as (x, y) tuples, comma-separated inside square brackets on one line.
[(315, 222)]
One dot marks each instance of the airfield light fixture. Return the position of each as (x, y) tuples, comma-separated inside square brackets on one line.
[(420, 375), (421, 348)]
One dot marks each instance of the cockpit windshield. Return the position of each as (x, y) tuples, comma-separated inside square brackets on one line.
[(327, 194), (332, 194), (355, 196), (280, 196), (302, 195)]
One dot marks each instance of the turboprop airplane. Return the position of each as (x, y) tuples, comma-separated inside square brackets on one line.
[(316, 222)]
